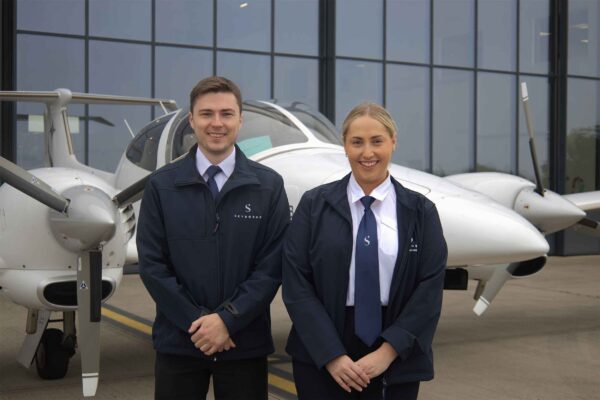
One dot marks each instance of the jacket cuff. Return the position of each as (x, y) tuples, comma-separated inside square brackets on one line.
[(229, 319), (401, 340)]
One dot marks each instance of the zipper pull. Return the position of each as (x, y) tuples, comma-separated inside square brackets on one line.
[(217, 224)]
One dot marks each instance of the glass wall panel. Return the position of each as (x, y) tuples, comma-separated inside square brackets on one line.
[(407, 99), (297, 27), (584, 37), (120, 19), (121, 69), (185, 22), (534, 36), (496, 123), (57, 16), (297, 79), (408, 30), (359, 31), (244, 25), (453, 121), (538, 89), (497, 32), (46, 63), (453, 27), (355, 82), (178, 70), (583, 135), (250, 71)]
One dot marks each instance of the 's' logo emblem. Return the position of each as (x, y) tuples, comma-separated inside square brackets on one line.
[(367, 240), (247, 208)]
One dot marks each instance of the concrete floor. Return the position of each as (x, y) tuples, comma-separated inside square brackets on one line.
[(540, 339)]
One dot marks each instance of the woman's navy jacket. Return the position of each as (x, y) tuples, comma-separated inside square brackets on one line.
[(198, 257), (316, 260)]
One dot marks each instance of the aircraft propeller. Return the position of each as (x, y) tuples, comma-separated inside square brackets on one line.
[(589, 225), (82, 219)]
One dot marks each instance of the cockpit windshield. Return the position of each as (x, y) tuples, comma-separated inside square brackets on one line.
[(318, 124), (262, 128)]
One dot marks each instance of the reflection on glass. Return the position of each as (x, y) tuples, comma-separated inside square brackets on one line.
[(178, 70), (452, 121), (497, 29), (120, 19), (50, 63), (496, 123), (244, 25), (453, 27), (108, 143), (143, 149), (537, 89), (119, 68), (297, 79), (358, 28), (57, 16), (355, 82), (297, 27), (583, 136), (250, 72), (584, 37), (407, 99), (534, 36), (185, 22), (408, 29)]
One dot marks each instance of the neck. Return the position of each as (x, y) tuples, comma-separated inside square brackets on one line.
[(368, 187), (216, 159)]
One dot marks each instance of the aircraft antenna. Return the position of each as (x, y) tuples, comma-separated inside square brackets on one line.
[(128, 127), (536, 166)]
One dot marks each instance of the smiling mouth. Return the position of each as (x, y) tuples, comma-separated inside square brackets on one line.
[(368, 164), (216, 135)]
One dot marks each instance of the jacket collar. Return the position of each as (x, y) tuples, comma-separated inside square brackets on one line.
[(187, 173)]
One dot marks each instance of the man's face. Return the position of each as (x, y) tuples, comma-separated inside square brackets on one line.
[(216, 120)]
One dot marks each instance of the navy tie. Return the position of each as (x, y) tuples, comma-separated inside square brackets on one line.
[(212, 184), (367, 304)]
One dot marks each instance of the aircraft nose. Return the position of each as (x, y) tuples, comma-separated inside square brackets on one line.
[(549, 213), (480, 231)]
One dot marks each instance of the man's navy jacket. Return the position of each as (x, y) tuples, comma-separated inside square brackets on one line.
[(198, 257), (316, 260)]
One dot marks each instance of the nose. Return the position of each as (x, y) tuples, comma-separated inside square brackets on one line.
[(484, 232), (216, 120)]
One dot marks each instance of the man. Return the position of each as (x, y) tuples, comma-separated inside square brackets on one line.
[(209, 245)]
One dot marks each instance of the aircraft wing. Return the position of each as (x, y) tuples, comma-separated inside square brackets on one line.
[(587, 201)]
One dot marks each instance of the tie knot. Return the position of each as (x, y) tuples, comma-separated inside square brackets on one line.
[(212, 171), (367, 201)]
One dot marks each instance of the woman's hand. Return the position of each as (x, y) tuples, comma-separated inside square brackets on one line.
[(376, 362), (347, 374)]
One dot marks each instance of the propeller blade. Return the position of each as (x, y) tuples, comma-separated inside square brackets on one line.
[(131, 194), (536, 166), (491, 289), (89, 297), (27, 183)]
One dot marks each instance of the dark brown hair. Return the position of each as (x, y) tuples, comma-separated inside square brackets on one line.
[(215, 84)]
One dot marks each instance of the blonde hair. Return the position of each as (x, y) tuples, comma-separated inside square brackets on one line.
[(374, 111)]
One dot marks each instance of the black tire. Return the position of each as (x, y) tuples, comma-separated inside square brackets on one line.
[(51, 357)]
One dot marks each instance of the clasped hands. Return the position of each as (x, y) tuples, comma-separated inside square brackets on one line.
[(210, 335), (357, 375)]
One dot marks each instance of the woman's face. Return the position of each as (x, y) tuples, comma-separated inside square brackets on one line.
[(369, 147)]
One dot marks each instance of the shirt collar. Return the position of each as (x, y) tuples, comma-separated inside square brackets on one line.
[(227, 165), (379, 193)]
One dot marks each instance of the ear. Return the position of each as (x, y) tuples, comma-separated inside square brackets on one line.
[(394, 140), (190, 117)]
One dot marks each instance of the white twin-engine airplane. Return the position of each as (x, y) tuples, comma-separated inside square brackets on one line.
[(82, 220)]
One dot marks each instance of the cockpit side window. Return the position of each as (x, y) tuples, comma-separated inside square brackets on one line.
[(142, 150)]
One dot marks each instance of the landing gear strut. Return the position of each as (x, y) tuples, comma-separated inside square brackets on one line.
[(56, 349)]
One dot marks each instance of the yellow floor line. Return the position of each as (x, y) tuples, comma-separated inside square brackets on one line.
[(283, 384), (138, 326), (277, 381)]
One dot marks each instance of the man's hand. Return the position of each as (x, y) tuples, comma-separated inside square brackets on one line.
[(375, 363), (210, 335), (347, 374)]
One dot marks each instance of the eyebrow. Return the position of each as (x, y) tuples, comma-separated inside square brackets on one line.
[(211, 110)]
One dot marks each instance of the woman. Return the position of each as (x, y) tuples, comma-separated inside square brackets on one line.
[(363, 273)]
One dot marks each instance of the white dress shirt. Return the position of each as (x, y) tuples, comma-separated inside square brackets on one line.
[(384, 209), (227, 166)]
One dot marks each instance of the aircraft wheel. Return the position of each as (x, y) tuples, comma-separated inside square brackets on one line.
[(52, 357)]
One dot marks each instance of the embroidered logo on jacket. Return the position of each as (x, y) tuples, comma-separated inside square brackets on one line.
[(247, 214), (414, 247)]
